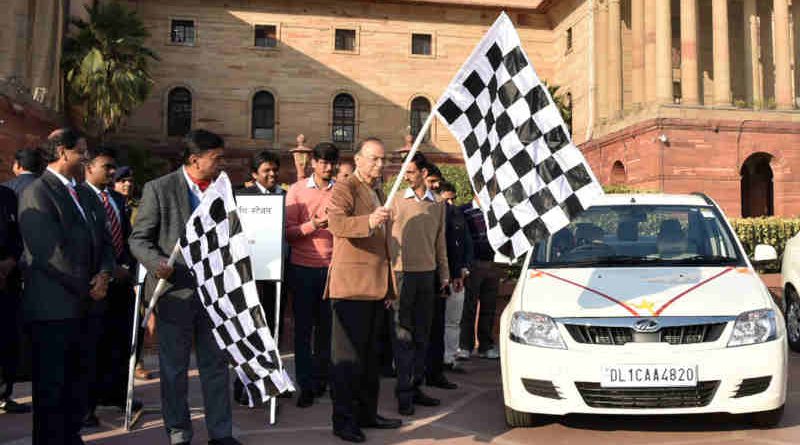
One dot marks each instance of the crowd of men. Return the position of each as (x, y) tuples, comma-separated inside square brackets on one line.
[(377, 289)]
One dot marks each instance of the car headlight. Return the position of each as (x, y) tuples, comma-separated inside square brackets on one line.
[(535, 329), (754, 327)]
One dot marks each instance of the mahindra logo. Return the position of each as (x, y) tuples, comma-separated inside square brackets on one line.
[(647, 325)]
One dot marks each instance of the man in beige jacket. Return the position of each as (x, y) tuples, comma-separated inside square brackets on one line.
[(359, 284)]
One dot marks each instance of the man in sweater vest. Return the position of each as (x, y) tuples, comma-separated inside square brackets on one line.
[(311, 247), (419, 253)]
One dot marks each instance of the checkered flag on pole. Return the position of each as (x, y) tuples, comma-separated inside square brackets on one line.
[(216, 251), (530, 178)]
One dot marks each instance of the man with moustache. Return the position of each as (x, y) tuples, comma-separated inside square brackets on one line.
[(311, 246), (360, 283), (68, 264), (110, 319), (167, 203)]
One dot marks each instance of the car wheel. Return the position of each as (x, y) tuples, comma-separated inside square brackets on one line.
[(519, 419), (767, 419), (793, 319)]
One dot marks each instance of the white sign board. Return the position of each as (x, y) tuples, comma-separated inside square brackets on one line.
[(262, 219)]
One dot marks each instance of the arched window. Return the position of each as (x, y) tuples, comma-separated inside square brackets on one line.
[(263, 116), (757, 189), (179, 112), (618, 174), (420, 110), (344, 118)]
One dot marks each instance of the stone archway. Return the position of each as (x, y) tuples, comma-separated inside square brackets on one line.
[(618, 174), (757, 186)]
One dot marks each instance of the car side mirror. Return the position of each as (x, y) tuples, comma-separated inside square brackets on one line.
[(764, 253)]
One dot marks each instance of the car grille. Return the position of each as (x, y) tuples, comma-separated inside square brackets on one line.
[(676, 335), (753, 386), (641, 398)]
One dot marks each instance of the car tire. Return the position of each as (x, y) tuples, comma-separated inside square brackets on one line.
[(519, 419), (792, 319), (767, 419)]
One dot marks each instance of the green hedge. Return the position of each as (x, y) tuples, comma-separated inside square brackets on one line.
[(771, 230)]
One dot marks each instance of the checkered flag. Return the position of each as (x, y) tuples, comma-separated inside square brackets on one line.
[(217, 252), (530, 179)]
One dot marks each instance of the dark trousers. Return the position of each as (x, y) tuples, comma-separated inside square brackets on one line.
[(385, 340), (266, 296), (411, 325), (434, 365), (481, 287), (174, 349), (9, 344), (354, 355), (61, 361), (312, 320), (111, 333)]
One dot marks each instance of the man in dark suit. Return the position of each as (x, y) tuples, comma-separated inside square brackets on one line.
[(111, 320), (264, 169), (68, 264), (167, 203), (10, 251), (27, 167)]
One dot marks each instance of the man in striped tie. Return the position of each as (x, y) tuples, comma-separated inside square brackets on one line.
[(111, 318)]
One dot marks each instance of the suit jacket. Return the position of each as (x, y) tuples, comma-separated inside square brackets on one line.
[(361, 265), (160, 222), (63, 251), (10, 242), (19, 183), (254, 190)]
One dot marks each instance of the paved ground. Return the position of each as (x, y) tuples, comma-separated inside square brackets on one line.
[(471, 414)]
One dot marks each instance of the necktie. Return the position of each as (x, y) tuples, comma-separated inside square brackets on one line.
[(113, 222), (74, 195)]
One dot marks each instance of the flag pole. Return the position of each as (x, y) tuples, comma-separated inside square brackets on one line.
[(161, 286), (524, 275), (408, 158), (127, 424)]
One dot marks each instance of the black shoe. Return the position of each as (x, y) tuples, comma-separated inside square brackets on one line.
[(224, 441), (286, 395), (91, 421), (350, 435), (422, 399), (440, 382), (11, 407), (405, 408), (382, 423), (305, 399)]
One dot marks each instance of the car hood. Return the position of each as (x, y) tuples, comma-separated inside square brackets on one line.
[(625, 292)]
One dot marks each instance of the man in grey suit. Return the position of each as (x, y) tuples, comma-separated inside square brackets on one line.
[(166, 205), (68, 264)]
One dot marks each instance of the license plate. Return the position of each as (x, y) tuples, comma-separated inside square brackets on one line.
[(648, 376)]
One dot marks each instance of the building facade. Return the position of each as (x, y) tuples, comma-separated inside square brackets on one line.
[(669, 95)]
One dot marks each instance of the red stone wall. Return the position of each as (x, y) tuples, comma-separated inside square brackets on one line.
[(20, 126), (704, 156)]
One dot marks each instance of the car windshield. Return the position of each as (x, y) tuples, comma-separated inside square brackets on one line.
[(640, 235)]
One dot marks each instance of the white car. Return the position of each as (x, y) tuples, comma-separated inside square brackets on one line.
[(790, 277), (644, 304)]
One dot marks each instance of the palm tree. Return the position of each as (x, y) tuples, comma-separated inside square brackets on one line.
[(563, 103), (105, 65)]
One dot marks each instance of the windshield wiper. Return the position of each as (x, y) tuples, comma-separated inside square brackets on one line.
[(613, 260), (703, 259)]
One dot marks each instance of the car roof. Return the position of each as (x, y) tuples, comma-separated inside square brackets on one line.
[(650, 199)]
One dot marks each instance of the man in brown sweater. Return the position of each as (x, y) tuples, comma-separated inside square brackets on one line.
[(359, 284), (419, 252)]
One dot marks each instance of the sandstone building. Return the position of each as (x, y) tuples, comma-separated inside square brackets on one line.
[(671, 95)]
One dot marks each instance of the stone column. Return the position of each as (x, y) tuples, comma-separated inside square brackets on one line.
[(650, 51), (614, 59), (783, 68), (601, 41), (663, 52), (752, 53), (637, 51), (722, 59), (690, 88)]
